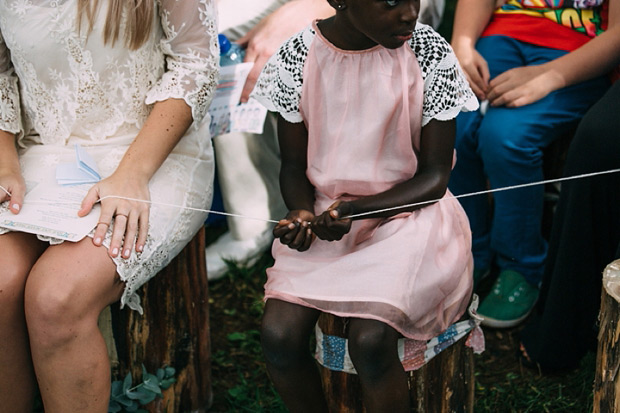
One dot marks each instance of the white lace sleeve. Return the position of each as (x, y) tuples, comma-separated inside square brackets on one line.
[(279, 85), (9, 93), (446, 90), (192, 54)]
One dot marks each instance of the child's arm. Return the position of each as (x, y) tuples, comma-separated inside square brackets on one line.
[(470, 19), (297, 191), (525, 85), (429, 183)]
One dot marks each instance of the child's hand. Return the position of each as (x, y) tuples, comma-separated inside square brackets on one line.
[(329, 226), (294, 230)]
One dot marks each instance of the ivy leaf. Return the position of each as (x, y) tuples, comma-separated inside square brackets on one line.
[(170, 371), (133, 395), (151, 383), (117, 389), (165, 383), (146, 396), (127, 383), (114, 407), (133, 407), (160, 374)]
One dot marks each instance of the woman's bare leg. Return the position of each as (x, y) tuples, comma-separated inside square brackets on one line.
[(285, 337), (67, 289), (19, 251), (373, 347)]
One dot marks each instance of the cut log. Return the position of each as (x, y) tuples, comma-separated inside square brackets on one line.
[(607, 379), (173, 331), (444, 385)]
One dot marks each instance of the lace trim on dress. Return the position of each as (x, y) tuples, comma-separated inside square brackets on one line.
[(192, 76), (279, 86), (9, 104), (446, 90)]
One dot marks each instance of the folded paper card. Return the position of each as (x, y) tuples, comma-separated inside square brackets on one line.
[(82, 171)]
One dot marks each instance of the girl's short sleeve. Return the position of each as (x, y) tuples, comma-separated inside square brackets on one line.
[(278, 87), (192, 54), (10, 116), (446, 90)]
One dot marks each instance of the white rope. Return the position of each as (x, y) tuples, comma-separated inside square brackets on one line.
[(507, 188)]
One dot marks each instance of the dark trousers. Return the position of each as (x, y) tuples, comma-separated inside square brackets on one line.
[(585, 238)]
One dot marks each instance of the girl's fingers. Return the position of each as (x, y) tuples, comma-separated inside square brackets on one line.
[(307, 241)]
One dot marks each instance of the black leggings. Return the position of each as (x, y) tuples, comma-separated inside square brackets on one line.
[(585, 238)]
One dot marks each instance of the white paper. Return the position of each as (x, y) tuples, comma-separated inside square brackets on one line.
[(82, 171), (227, 114), (51, 210)]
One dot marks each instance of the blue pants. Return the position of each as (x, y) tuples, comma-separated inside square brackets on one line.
[(505, 147)]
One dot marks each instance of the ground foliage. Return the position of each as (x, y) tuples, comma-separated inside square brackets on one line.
[(241, 384)]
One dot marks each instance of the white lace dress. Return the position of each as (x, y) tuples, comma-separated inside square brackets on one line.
[(59, 87)]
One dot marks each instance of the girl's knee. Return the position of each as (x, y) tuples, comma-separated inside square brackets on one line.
[(282, 346), (373, 348)]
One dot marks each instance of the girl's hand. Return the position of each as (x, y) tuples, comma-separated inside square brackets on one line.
[(476, 70), (523, 85), (294, 230), (131, 218), (330, 226), (13, 182)]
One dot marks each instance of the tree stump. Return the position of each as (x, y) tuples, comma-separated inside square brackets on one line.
[(444, 385), (173, 331), (607, 379)]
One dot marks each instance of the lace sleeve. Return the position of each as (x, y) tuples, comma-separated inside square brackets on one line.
[(446, 90), (279, 85), (192, 53), (9, 93)]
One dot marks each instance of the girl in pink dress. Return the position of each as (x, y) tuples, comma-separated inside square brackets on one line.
[(366, 103)]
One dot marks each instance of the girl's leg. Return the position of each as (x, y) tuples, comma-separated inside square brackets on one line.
[(18, 253), (373, 347), (66, 291), (285, 337)]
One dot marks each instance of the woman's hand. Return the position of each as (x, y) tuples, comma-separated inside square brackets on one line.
[(294, 230), (523, 85), (330, 226), (130, 217), (12, 181)]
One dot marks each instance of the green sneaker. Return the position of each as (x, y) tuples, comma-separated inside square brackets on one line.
[(510, 301)]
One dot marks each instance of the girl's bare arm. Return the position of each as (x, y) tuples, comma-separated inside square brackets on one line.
[(429, 183)]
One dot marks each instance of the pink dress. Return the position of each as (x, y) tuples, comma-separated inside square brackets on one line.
[(412, 271)]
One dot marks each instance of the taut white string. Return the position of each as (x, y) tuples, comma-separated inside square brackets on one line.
[(488, 191)]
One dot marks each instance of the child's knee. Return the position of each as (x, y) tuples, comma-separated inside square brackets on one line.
[(373, 348), (281, 345)]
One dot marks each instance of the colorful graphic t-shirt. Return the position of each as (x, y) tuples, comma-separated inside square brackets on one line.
[(559, 24)]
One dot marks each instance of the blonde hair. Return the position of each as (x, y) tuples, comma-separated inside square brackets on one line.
[(137, 25)]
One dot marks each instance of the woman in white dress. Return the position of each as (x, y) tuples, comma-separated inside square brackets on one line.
[(130, 81)]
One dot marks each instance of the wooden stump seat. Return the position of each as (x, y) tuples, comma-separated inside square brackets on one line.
[(607, 379), (443, 385), (173, 331)]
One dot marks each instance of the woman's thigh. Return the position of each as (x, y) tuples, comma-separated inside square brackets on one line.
[(18, 253)]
